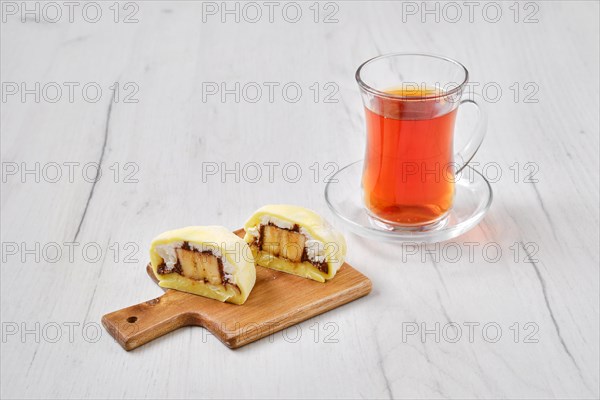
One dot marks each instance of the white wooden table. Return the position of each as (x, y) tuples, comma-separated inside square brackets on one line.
[(470, 318)]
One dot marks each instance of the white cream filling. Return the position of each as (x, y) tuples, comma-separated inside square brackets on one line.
[(267, 219), (169, 255), (253, 231), (315, 249)]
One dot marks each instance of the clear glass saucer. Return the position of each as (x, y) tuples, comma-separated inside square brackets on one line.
[(472, 200)]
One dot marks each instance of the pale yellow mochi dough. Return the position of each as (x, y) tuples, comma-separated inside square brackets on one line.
[(232, 248), (316, 226)]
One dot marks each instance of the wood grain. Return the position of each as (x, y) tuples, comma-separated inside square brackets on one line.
[(277, 301)]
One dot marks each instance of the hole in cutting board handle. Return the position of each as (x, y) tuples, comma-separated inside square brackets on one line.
[(131, 320)]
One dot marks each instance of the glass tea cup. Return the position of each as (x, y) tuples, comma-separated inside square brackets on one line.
[(410, 166)]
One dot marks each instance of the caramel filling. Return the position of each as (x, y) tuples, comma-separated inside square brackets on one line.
[(197, 265), (286, 243)]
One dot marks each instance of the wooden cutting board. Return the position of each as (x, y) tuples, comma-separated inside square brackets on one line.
[(277, 301)]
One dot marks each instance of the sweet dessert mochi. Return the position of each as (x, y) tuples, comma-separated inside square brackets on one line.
[(295, 240), (209, 261)]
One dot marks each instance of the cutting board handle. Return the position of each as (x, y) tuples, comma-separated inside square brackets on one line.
[(134, 326)]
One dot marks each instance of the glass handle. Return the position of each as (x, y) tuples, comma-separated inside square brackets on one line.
[(466, 154)]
